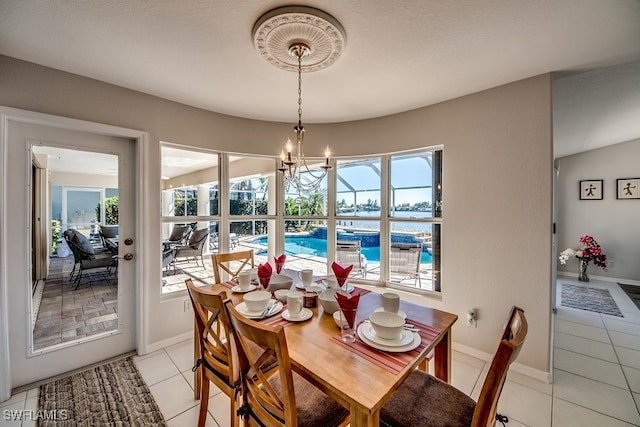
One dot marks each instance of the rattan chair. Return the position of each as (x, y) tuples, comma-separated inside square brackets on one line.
[(423, 400)]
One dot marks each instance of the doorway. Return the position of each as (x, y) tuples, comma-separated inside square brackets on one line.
[(26, 136)]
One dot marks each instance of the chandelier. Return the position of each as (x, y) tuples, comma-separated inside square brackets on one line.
[(285, 37)]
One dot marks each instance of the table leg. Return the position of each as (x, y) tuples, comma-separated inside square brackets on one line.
[(360, 417), (442, 358)]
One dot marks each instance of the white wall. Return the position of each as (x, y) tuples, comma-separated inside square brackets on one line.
[(614, 223), (496, 245)]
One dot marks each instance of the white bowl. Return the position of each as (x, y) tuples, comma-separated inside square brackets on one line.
[(257, 300), (278, 281), (387, 325), (328, 301), (336, 318), (281, 294)]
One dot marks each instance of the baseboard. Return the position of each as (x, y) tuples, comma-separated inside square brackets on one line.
[(536, 374), (159, 345)]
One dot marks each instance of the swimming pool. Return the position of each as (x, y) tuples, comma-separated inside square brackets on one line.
[(318, 247)]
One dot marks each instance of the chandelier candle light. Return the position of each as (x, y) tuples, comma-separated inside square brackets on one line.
[(286, 36), (590, 251)]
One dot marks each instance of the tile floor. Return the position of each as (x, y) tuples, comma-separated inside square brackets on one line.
[(596, 376)]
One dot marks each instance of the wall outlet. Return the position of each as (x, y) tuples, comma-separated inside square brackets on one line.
[(472, 319), (187, 305), (611, 263)]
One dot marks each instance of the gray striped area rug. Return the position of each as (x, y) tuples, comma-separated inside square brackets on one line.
[(109, 395), (590, 299)]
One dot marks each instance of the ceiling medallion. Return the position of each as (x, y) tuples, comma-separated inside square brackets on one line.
[(277, 30)]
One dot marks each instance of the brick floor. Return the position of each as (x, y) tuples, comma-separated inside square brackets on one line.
[(66, 314)]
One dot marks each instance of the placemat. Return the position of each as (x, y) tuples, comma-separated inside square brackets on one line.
[(392, 362)]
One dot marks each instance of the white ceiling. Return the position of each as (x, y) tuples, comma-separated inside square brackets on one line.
[(399, 55)]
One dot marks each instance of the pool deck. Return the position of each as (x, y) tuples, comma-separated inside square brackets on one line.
[(204, 275)]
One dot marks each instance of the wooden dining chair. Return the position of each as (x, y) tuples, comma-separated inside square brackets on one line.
[(232, 263), (272, 395), (213, 348), (423, 400)]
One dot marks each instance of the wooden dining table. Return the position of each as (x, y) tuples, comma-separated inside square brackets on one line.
[(354, 381)]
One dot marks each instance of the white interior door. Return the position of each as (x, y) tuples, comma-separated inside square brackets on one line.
[(28, 362)]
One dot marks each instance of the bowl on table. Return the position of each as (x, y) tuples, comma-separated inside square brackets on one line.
[(257, 300), (336, 318), (328, 301), (281, 294), (387, 325), (278, 281)]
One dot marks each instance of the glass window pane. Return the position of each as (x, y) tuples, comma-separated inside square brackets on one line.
[(299, 202), (178, 265), (250, 182), (413, 259), (306, 248), (189, 182), (411, 191), (358, 244), (358, 187)]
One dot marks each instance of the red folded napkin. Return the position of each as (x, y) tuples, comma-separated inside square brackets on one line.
[(342, 273), (347, 305), (279, 260), (264, 274)]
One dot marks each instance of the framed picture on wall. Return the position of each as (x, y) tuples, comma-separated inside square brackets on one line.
[(591, 189), (628, 188)]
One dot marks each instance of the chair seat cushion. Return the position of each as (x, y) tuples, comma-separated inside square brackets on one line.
[(423, 400), (314, 408)]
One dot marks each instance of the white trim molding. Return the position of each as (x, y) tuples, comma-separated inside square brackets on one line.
[(140, 138)]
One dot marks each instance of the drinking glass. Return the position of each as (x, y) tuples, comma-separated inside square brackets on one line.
[(348, 322)]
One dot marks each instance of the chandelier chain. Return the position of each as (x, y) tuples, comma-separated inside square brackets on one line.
[(299, 88)]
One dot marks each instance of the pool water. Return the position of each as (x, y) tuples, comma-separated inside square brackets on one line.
[(318, 247)]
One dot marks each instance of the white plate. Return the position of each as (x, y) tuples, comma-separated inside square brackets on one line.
[(400, 312), (242, 308), (406, 337), (414, 344), (305, 314), (237, 289), (348, 287)]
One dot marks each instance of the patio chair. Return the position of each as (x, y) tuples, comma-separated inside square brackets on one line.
[(274, 395), (349, 252), (85, 256), (423, 400), (405, 260), (232, 263), (213, 241), (194, 247), (109, 237), (179, 235)]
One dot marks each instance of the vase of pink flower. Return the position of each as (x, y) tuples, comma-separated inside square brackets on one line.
[(589, 251)]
